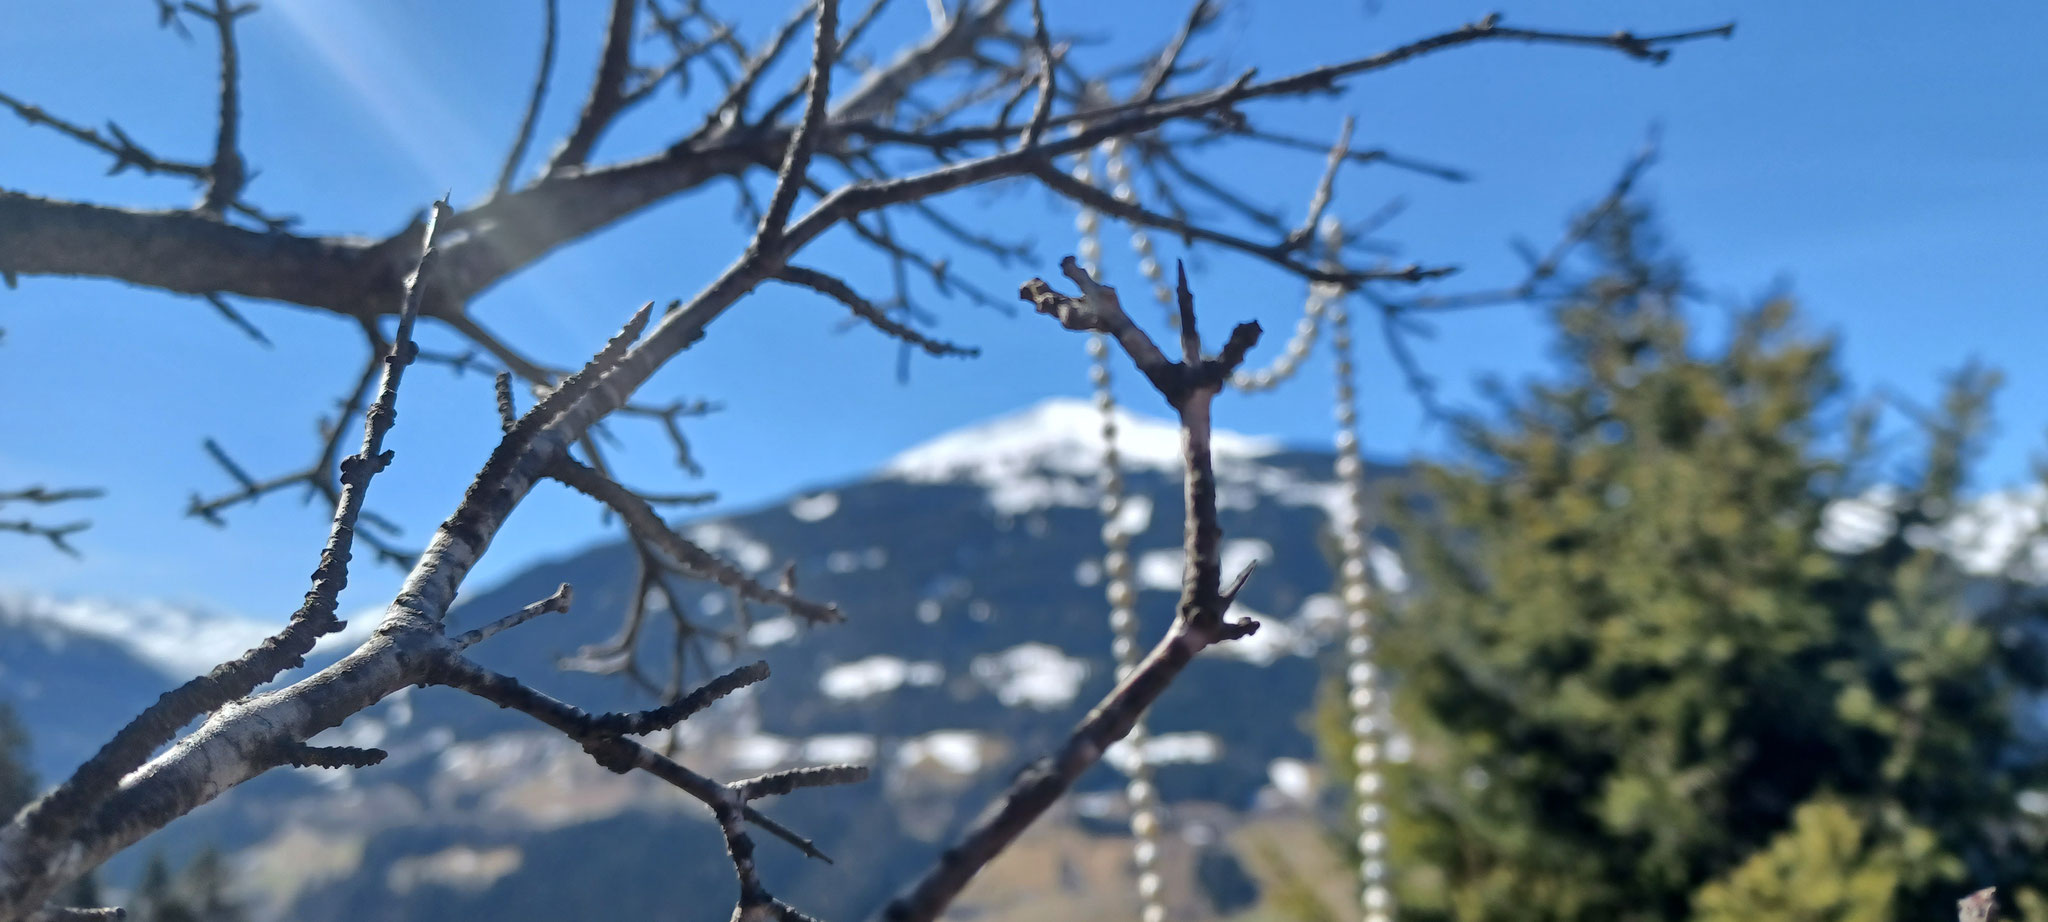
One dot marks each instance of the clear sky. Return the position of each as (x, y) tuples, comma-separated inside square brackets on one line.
[(1884, 161)]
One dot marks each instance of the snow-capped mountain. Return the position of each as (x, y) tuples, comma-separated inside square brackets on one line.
[(970, 570)]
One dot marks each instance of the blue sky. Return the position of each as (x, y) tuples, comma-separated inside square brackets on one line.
[(1881, 160)]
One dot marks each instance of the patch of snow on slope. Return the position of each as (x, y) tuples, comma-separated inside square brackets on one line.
[(761, 751), (1386, 568), (1274, 639), (875, 675), (1134, 515), (816, 508), (840, 749), (1239, 554), (768, 632), (1051, 453), (1161, 569), (957, 751), (459, 868), (1293, 778), (493, 759), (1196, 748), (1033, 674), (1321, 613), (734, 545)]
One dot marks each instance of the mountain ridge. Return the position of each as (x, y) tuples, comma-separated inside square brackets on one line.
[(977, 636)]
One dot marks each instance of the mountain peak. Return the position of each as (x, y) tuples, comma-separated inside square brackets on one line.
[(1059, 435)]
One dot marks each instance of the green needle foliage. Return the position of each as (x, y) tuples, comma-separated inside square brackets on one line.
[(17, 780), (198, 894), (18, 786), (1638, 683)]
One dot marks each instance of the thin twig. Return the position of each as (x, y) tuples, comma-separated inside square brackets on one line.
[(1325, 190), (227, 175), (1189, 386), (641, 518), (62, 810), (838, 290), (1163, 70), (611, 751), (607, 90), (554, 603), (1041, 111), (796, 162), (120, 146), (533, 102)]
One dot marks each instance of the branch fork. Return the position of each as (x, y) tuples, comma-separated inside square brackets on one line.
[(1097, 309), (1189, 385)]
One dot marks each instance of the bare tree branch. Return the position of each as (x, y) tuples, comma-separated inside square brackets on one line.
[(320, 477), (1189, 386), (546, 69), (57, 535), (783, 782), (554, 603), (229, 173), (121, 147), (732, 109), (1163, 70), (300, 755), (1041, 111), (609, 750), (838, 290), (902, 143), (81, 914), (63, 810), (233, 317), (607, 91), (1981, 906), (796, 163), (648, 527)]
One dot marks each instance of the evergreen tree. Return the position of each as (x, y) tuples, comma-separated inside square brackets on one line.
[(17, 780), (206, 883), (199, 893), (18, 786), (1640, 684), (158, 897)]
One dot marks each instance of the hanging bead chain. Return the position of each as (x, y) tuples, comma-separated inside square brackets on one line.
[(1305, 330), (1148, 261), (1121, 588), (1298, 346), (1361, 675)]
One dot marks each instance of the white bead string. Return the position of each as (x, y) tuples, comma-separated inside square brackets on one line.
[(1148, 261), (1298, 346), (1361, 674), (1121, 585)]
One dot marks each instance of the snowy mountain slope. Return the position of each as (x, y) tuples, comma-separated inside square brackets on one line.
[(970, 569), (977, 635)]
